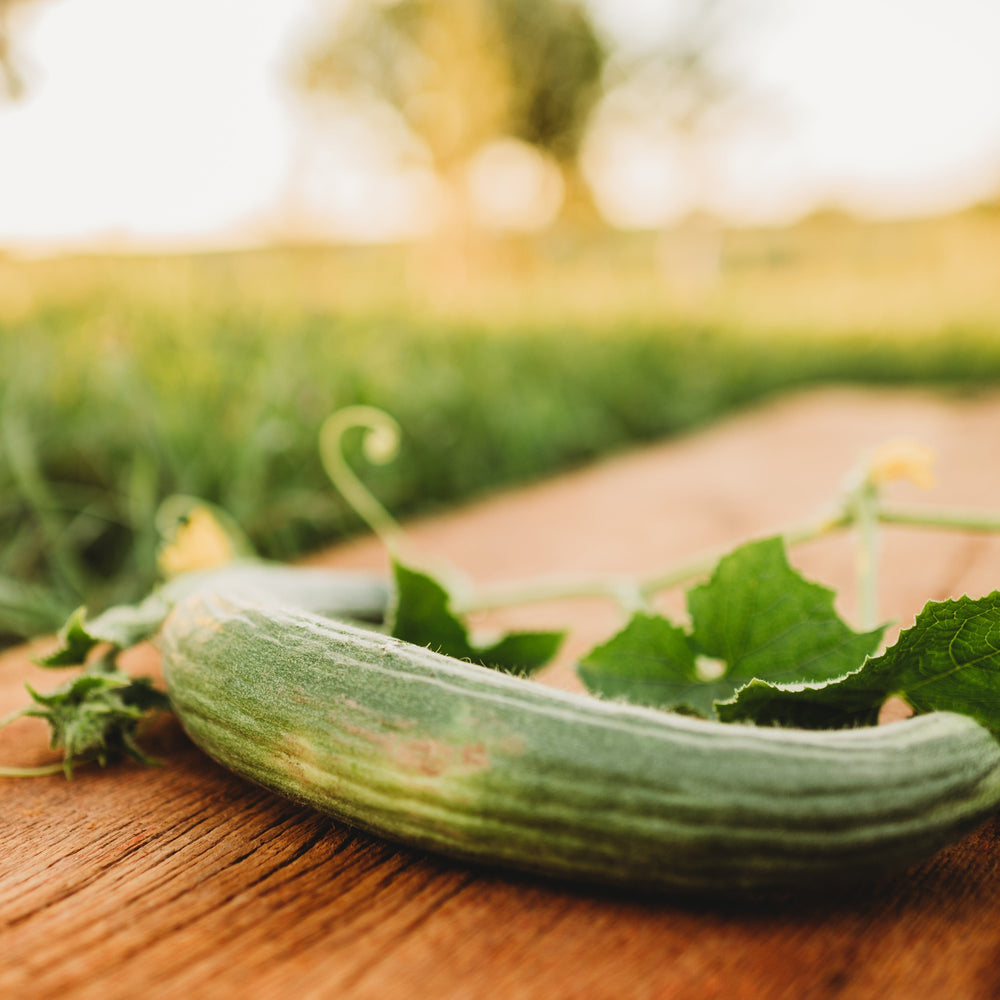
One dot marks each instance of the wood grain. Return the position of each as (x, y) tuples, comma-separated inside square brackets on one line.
[(185, 882)]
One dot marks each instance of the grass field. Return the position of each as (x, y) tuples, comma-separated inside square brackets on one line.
[(128, 379)]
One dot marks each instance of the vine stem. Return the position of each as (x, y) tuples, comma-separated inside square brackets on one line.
[(6, 720), (864, 502), (859, 506), (939, 517), (705, 563), (32, 772), (26, 772), (633, 594), (380, 445), (630, 593)]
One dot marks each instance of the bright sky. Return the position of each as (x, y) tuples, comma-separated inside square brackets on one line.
[(168, 123)]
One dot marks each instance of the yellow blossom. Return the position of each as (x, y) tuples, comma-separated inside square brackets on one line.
[(200, 542), (902, 459)]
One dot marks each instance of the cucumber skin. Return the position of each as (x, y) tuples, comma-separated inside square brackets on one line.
[(467, 762)]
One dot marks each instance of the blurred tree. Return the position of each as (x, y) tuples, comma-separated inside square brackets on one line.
[(10, 80), (11, 75), (555, 59), (464, 72)]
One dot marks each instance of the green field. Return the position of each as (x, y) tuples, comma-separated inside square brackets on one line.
[(128, 379)]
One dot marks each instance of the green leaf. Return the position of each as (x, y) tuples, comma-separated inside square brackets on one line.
[(650, 662), (763, 619), (842, 703), (422, 615), (75, 642), (948, 660), (520, 653), (755, 618), (94, 716), (121, 626)]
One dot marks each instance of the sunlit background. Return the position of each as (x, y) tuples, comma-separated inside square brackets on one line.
[(201, 123), (535, 231)]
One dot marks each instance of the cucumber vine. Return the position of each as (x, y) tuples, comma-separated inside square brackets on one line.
[(763, 644)]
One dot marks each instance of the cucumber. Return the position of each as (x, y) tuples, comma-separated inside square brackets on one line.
[(460, 760)]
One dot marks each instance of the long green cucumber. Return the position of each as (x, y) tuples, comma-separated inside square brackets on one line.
[(457, 759)]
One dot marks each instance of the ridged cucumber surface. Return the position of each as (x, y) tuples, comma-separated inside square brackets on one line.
[(457, 759)]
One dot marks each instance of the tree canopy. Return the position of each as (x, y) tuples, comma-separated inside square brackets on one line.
[(464, 71)]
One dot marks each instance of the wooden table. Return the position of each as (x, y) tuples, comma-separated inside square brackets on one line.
[(184, 881)]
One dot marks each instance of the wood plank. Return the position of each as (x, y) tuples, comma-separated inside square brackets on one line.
[(184, 881)]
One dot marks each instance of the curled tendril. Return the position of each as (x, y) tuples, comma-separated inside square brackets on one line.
[(379, 445)]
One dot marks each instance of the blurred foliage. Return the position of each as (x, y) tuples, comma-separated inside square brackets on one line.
[(555, 59), (126, 380), (462, 73), (11, 76)]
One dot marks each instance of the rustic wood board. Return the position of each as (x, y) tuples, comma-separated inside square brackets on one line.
[(184, 881)]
